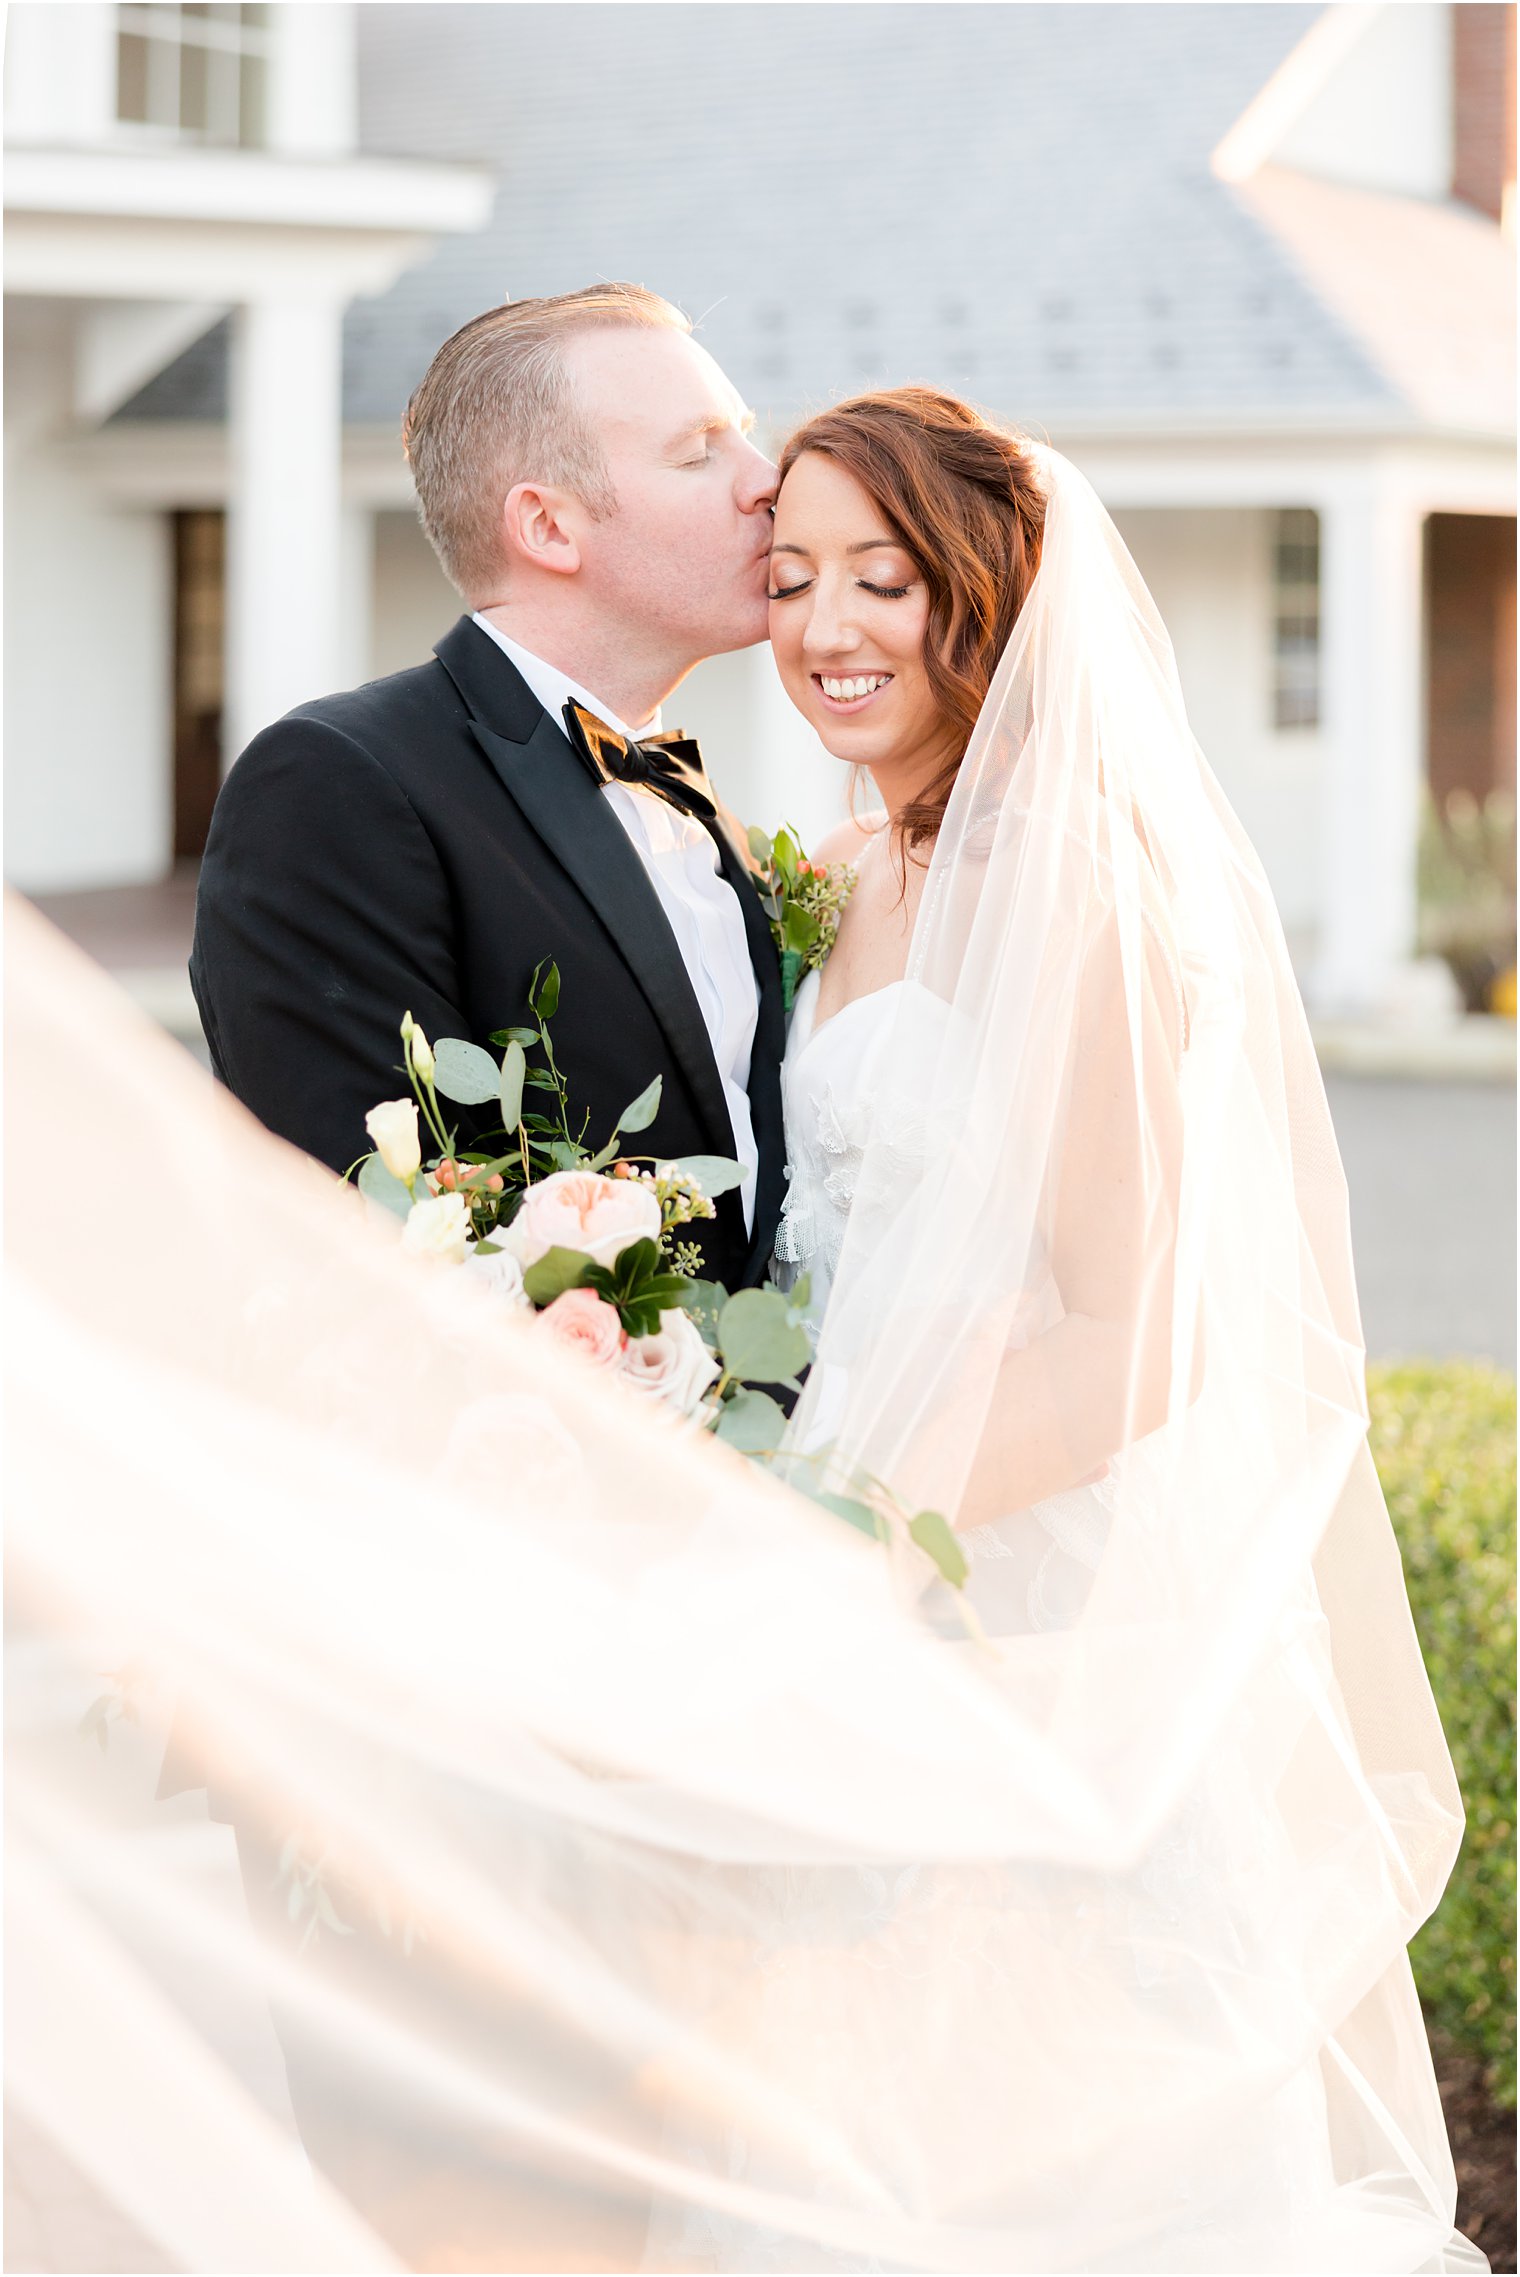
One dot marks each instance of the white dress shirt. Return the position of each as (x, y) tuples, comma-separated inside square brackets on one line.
[(682, 864)]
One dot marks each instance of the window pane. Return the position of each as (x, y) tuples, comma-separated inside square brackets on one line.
[(222, 116), (131, 76), (251, 98), (1295, 619), (192, 89)]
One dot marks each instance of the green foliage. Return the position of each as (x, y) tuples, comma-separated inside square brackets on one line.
[(463, 1072), (759, 1339), (555, 1272), (803, 901), (1467, 889), (752, 1422), (642, 1112), (715, 1173), (640, 1286), (937, 1538), (377, 1184), (514, 1073), (1444, 1440)]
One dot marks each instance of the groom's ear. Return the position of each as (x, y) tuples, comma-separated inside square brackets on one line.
[(541, 526)]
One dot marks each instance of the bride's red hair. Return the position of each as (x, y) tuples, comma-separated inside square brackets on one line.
[(961, 495)]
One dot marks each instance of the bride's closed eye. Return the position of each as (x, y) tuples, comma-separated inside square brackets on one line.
[(883, 592)]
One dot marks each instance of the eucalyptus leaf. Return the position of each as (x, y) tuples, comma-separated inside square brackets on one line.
[(752, 1422), (641, 1114), (760, 845), (464, 1073), (759, 1343), (799, 927), (556, 1271), (376, 1184), (705, 1301), (855, 1513), (566, 1155), (714, 1173), (329, 1913), (544, 997), (936, 1537), (514, 1068)]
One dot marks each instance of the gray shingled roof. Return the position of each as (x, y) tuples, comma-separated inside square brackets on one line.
[(1013, 200)]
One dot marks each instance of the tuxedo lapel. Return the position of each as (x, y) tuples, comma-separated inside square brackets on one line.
[(770, 1029), (557, 797), (770, 1043)]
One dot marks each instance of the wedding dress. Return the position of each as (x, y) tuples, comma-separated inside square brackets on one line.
[(685, 1881)]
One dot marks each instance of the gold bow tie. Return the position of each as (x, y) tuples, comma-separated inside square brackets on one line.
[(669, 765)]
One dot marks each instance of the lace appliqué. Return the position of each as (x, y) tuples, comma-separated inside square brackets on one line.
[(798, 1237)]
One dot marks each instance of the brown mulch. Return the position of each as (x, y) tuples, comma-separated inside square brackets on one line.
[(1483, 2146)]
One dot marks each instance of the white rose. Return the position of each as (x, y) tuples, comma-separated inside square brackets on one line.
[(438, 1227), (579, 1209), (393, 1127), (673, 1365), (501, 1274)]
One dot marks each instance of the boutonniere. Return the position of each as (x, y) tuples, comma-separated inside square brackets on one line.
[(804, 901)]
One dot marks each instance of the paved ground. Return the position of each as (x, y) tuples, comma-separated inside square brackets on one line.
[(1431, 1168)]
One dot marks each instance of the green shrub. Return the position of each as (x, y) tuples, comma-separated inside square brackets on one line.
[(1444, 1440)]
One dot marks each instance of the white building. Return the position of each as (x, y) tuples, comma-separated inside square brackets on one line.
[(167, 169), (1246, 264)]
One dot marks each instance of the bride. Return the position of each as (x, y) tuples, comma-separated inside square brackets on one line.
[(689, 1884), (1064, 1190)]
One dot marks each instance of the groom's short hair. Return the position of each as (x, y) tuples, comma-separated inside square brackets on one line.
[(495, 407)]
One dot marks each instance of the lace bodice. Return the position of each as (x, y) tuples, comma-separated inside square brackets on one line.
[(1033, 1569), (827, 1086)]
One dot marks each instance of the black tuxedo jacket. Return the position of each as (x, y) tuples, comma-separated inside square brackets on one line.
[(420, 844)]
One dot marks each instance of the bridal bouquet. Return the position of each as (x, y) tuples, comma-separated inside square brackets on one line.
[(595, 1245)]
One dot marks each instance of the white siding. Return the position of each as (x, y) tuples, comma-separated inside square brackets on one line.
[(1210, 572), (414, 602), (88, 652), (1383, 117)]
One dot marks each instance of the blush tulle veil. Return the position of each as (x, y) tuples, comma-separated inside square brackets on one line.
[(672, 1878)]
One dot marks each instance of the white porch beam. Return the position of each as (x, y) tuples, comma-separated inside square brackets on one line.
[(75, 257), (1371, 602), (247, 186), (284, 537)]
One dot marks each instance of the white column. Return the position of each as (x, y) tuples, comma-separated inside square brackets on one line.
[(284, 537), (1372, 663), (313, 86)]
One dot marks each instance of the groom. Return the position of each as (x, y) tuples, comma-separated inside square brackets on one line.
[(422, 843)]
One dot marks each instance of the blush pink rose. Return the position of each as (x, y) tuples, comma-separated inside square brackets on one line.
[(579, 1209), (673, 1365), (580, 1321)]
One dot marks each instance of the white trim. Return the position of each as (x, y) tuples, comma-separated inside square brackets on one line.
[(196, 187), (184, 463), (90, 257), (1270, 113)]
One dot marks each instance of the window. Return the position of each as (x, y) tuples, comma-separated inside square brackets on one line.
[(192, 73), (1295, 619)]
